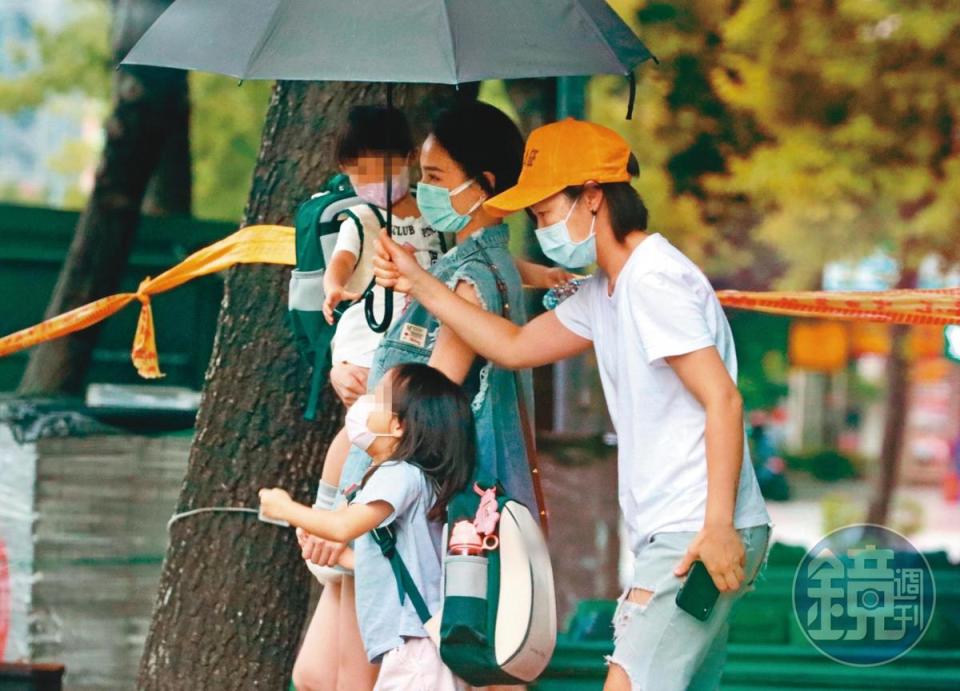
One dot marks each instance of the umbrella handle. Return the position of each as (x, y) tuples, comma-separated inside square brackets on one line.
[(382, 326)]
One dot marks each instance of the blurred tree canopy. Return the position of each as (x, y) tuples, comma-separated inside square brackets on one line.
[(777, 135), (774, 136), (74, 60)]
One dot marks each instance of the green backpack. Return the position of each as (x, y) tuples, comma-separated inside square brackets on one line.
[(317, 223)]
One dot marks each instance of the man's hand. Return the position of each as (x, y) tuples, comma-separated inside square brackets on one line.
[(721, 551), (349, 381), (395, 266), (334, 297), (274, 503), (319, 551), (555, 276)]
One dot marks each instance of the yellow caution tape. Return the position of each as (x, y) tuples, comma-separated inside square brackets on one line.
[(260, 244), (271, 244)]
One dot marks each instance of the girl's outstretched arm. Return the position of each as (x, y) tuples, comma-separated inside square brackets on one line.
[(344, 525)]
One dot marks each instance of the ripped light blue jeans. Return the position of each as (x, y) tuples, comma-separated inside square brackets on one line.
[(660, 646)]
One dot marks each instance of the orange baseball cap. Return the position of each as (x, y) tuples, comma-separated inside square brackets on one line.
[(560, 155)]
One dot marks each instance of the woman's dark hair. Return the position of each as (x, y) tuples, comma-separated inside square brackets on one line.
[(374, 128), (438, 429), (626, 208), (481, 138)]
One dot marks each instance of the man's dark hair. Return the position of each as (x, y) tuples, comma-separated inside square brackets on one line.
[(481, 138), (374, 129), (626, 208)]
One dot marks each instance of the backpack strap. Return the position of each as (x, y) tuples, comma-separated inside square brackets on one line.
[(376, 212), (321, 367), (356, 219), (529, 440), (386, 539)]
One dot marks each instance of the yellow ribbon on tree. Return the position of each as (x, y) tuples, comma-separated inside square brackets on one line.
[(259, 244), (272, 244)]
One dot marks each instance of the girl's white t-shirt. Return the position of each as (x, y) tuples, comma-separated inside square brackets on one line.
[(662, 305), (354, 341)]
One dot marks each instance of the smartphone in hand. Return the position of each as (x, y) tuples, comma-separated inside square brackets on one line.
[(699, 593)]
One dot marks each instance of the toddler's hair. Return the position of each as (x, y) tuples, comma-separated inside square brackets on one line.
[(373, 129), (438, 429)]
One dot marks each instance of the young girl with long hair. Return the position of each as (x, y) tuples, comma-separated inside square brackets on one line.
[(418, 429)]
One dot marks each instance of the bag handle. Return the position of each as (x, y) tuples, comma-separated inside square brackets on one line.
[(529, 440)]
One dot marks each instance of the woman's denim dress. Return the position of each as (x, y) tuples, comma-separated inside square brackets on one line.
[(501, 453)]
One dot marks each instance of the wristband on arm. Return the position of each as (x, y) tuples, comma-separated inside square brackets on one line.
[(326, 496)]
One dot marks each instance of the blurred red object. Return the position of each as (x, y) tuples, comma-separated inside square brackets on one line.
[(951, 486)]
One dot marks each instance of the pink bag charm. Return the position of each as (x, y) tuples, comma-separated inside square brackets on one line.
[(487, 514)]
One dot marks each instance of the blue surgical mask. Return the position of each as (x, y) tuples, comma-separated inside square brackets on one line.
[(437, 209), (556, 243)]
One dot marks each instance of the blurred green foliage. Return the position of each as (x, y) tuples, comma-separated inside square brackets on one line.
[(761, 344), (75, 71), (777, 135), (908, 517), (827, 465)]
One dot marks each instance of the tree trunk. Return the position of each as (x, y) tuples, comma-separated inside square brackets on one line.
[(151, 107), (169, 190), (898, 387), (233, 593)]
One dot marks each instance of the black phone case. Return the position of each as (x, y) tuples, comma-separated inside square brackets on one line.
[(698, 593)]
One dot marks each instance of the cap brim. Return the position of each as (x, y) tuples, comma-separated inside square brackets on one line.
[(519, 197)]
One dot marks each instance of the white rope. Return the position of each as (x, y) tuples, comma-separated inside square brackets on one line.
[(210, 509)]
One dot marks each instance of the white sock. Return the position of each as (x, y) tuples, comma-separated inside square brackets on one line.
[(326, 496)]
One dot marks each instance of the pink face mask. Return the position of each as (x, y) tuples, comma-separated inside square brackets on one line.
[(376, 192)]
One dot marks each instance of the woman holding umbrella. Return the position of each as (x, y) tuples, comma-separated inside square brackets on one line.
[(686, 487), (473, 152)]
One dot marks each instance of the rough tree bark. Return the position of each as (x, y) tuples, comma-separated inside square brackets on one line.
[(898, 388), (150, 110), (233, 593)]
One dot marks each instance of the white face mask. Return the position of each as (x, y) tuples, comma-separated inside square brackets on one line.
[(357, 422), (376, 192)]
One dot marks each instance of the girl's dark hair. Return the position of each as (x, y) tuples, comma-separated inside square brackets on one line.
[(439, 435), (626, 208), (481, 138), (374, 128)]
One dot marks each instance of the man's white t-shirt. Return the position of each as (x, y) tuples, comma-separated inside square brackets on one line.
[(662, 305), (354, 341)]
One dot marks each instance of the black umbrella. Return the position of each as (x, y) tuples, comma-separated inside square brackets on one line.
[(430, 41)]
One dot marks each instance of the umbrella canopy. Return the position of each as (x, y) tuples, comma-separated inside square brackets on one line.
[(424, 41), (427, 41)]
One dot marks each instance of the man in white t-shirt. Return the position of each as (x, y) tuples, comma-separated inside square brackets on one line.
[(687, 488)]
